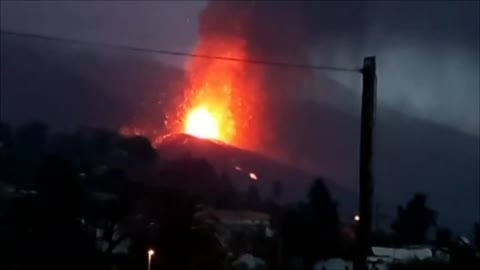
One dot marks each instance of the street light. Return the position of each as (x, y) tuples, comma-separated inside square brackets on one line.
[(356, 218), (150, 253)]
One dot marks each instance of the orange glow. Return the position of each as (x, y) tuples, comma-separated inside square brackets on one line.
[(221, 99), (201, 123)]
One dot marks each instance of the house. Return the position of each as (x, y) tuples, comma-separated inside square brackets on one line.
[(249, 262), (229, 224), (333, 264), (232, 220), (382, 257)]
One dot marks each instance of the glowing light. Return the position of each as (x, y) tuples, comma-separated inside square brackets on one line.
[(238, 168), (253, 176), (356, 218), (151, 252), (201, 123), (222, 100)]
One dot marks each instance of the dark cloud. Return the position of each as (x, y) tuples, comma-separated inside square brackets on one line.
[(151, 24), (428, 52)]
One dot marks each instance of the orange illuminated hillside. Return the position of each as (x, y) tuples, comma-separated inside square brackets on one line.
[(244, 167)]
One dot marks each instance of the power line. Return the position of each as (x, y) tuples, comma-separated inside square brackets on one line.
[(177, 53)]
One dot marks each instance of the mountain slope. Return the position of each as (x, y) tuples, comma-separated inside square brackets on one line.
[(100, 88), (238, 164), (410, 155), (69, 87)]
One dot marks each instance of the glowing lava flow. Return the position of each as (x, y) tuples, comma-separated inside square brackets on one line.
[(201, 123)]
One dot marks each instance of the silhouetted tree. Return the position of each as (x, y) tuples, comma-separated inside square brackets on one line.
[(295, 235), (443, 237), (229, 197), (80, 191), (46, 226), (138, 148), (7, 155), (324, 223), (182, 238), (476, 235), (253, 198), (57, 181), (27, 150), (414, 220), (311, 231), (198, 178), (112, 200), (462, 256), (277, 190), (32, 136), (6, 136)]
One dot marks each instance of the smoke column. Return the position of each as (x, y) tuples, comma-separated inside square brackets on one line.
[(427, 52)]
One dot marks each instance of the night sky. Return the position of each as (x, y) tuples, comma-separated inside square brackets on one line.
[(428, 81), (428, 52)]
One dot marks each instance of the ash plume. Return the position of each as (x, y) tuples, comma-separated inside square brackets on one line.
[(283, 31), (427, 52)]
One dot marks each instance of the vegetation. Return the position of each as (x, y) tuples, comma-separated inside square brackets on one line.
[(476, 235), (444, 237), (90, 192), (97, 199), (414, 220)]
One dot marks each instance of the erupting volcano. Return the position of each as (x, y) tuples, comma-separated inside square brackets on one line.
[(227, 100), (220, 99), (219, 102)]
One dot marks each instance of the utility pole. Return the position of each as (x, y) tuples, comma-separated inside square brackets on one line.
[(366, 176)]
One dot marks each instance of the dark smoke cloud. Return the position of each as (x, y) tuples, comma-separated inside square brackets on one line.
[(282, 30), (428, 52), (276, 31)]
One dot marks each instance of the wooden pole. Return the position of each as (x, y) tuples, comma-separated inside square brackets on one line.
[(366, 176)]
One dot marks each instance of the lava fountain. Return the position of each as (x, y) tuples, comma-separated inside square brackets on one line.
[(221, 100), (201, 123)]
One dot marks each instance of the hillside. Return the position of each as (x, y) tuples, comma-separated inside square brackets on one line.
[(73, 87), (238, 164)]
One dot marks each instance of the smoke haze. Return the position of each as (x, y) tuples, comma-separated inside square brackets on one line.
[(428, 52)]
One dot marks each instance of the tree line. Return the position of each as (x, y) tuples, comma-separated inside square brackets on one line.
[(82, 197)]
